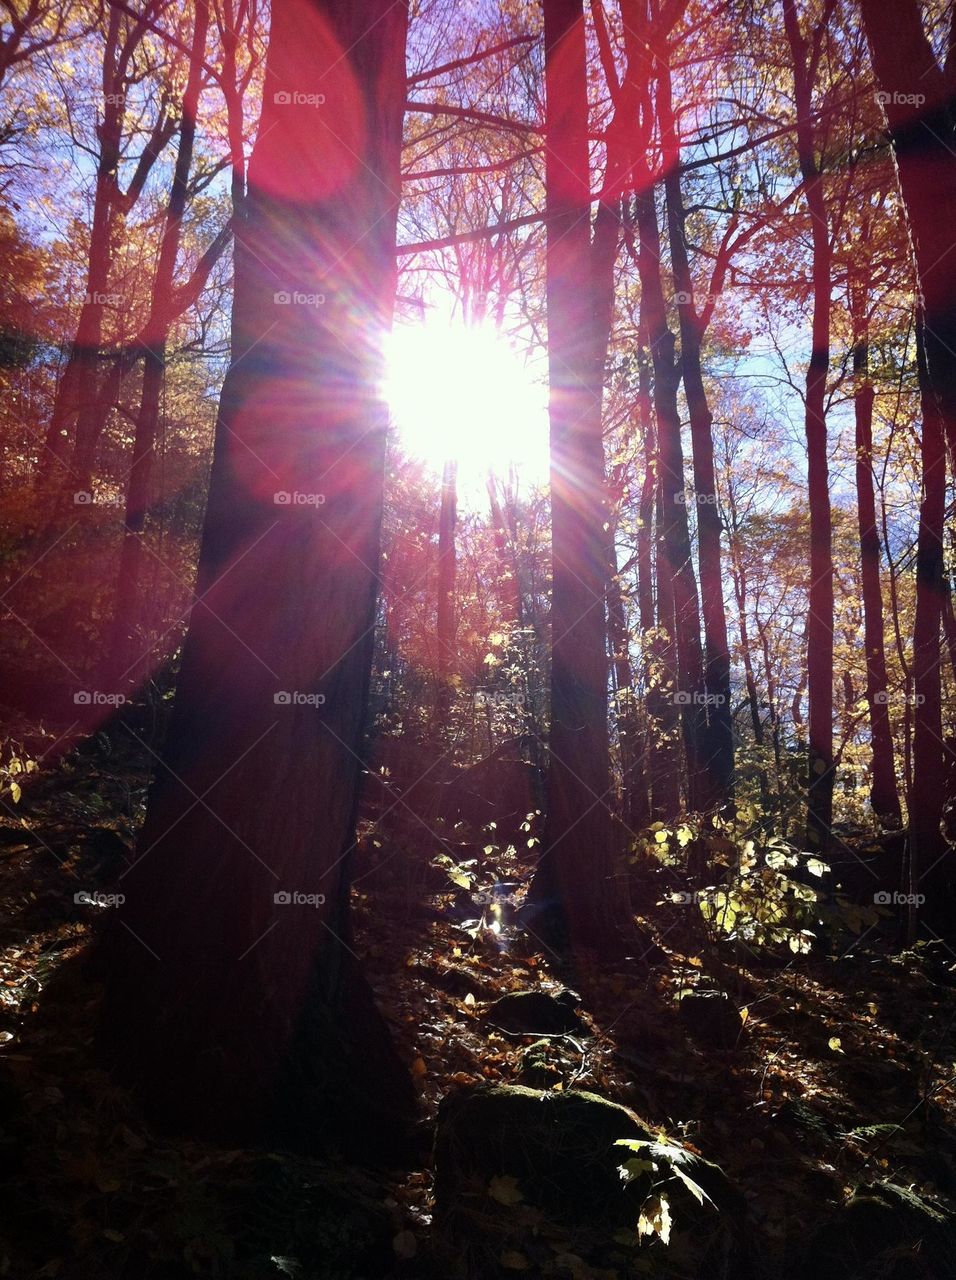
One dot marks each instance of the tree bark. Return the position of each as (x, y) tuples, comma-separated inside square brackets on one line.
[(447, 522), (127, 654), (236, 1008), (575, 882), (820, 594), (931, 865), (884, 795)]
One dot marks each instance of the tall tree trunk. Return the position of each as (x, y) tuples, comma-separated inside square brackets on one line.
[(717, 745), (575, 881), (884, 795), (76, 390), (234, 1005), (931, 867), (917, 96), (126, 639), (664, 751), (820, 595), (675, 531), (447, 521)]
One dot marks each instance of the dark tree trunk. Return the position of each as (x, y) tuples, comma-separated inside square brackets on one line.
[(575, 881), (128, 654), (918, 97), (236, 1008), (664, 750), (74, 405), (820, 594), (447, 522), (931, 865), (717, 740), (884, 795), (675, 541)]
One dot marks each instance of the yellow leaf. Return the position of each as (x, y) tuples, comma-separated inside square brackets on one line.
[(505, 1189)]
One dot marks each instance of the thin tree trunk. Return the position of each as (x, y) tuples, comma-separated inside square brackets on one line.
[(884, 795), (931, 872), (675, 531), (717, 745), (127, 638), (820, 595), (447, 522)]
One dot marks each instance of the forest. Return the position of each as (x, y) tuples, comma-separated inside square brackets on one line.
[(477, 639)]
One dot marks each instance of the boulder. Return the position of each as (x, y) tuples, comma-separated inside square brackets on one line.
[(503, 1151), (712, 1019), (884, 1231), (537, 1013)]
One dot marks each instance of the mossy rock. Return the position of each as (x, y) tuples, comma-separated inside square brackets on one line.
[(537, 1013), (883, 1232), (559, 1150)]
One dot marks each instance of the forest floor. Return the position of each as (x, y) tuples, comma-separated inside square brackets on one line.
[(842, 1077)]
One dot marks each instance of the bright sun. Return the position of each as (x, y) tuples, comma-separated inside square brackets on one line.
[(462, 393)]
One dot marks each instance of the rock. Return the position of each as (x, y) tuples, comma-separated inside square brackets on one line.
[(559, 1151), (537, 1013), (883, 1231), (711, 1018)]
